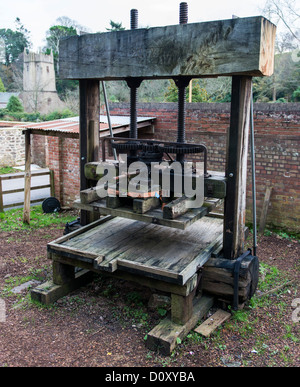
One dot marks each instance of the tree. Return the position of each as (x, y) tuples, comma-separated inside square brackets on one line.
[(287, 13), (2, 88), (13, 42), (115, 26), (199, 94), (14, 105), (55, 33)]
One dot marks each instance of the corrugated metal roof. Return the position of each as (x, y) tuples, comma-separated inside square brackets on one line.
[(71, 124)]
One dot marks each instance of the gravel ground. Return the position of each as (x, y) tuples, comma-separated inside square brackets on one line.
[(104, 324)]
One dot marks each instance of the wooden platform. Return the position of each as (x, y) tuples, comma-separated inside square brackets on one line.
[(162, 253)]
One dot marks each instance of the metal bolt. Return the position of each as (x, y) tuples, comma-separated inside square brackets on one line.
[(230, 174)]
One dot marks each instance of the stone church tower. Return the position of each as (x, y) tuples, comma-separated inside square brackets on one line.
[(39, 89)]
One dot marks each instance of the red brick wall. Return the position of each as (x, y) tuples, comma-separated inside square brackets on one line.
[(62, 156), (277, 134)]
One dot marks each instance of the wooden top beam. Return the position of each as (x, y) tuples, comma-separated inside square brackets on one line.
[(242, 46)]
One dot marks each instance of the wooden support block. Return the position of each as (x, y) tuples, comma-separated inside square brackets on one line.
[(209, 325), (164, 337), (140, 206), (218, 278), (62, 273), (113, 201), (176, 208), (88, 195), (181, 308), (50, 292), (215, 187)]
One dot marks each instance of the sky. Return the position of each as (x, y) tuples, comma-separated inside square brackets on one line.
[(38, 16)]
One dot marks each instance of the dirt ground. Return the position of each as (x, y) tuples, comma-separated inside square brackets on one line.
[(105, 323)]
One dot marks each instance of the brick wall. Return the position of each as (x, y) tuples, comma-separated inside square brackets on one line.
[(62, 156), (277, 137)]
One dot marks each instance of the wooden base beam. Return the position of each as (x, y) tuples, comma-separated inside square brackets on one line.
[(49, 292), (165, 336)]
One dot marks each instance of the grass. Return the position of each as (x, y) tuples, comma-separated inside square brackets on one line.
[(247, 324), (5, 170), (12, 220)]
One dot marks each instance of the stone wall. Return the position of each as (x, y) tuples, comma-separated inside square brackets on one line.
[(12, 146)]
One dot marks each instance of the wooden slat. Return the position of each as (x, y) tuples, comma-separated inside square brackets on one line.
[(213, 322), (27, 183)]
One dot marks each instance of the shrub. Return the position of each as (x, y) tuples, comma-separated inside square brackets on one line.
[(14, 105)]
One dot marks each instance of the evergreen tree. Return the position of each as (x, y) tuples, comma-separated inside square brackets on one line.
[(2, 88), (14, 105)]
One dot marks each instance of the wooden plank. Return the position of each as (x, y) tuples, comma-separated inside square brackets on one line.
[(236, 167), (145, 268), (72, 250), (223, 47), (27, 183), (213, 322), (264, 211), (165, 336), (83, 229)]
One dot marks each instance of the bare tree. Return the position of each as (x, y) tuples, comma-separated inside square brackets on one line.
[(287, 12)]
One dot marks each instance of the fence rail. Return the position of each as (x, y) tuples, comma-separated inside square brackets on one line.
[(21, 175)]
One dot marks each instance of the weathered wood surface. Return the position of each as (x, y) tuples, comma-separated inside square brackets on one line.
[(49, 292), (27, 183), (151, 250), (236, 167), (223, 47), (218, 278), (164, 337), (88, 133), (155, 215), (213, 322)]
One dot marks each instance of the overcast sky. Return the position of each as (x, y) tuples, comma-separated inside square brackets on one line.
[(39, 15)]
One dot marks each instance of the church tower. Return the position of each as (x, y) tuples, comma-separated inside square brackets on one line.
[(39, 89)]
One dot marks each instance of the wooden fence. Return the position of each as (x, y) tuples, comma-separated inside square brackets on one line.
[(20, 175)]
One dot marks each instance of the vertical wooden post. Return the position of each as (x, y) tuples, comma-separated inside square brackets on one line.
[(89, 132), (27, 183), (236, 167), (1, 196), (51, 178), (181, 308)]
